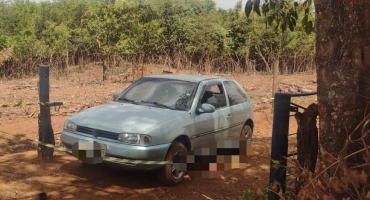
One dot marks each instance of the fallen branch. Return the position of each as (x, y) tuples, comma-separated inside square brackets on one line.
[(207, 197)]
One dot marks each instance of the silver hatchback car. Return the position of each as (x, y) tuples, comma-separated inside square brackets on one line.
[(160, 116)]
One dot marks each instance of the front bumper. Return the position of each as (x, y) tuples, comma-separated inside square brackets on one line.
[(123, 151)]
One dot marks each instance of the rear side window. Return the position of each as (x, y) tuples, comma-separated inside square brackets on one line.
[(235, 93)]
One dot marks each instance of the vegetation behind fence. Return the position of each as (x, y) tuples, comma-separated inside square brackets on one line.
[(192, 33)]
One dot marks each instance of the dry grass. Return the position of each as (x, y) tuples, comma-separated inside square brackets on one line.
[(333, 177), (5, 55)]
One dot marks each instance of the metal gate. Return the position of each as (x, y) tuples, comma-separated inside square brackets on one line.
[(280, 136)]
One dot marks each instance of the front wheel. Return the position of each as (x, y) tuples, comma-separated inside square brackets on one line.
[(168, 174)]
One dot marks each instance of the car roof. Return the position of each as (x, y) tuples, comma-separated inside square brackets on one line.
[(188, 77)]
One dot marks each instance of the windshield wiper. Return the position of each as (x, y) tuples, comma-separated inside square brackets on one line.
[(128, 100), (158, 104)]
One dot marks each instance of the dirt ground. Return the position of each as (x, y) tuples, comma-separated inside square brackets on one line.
[(23, 175)]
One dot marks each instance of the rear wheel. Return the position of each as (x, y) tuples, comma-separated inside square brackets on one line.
[(168, 174), (246, 134)]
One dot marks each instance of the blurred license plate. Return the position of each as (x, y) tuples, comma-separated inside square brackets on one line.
[(102, 147)]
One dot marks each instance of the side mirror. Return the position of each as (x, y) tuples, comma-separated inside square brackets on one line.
[(116, 95), (206, 108)]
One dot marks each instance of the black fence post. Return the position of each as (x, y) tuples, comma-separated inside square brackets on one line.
[(279, 143), (46, 134)]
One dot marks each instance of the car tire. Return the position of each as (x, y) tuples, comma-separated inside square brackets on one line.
[(167, 175)]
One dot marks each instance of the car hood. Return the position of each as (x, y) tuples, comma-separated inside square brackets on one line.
[(123, 117)]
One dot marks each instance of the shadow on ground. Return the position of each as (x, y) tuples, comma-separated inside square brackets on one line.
[(14, 143), (23, 176)]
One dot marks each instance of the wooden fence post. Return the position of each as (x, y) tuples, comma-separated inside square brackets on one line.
[(274, 81), (46, 133)]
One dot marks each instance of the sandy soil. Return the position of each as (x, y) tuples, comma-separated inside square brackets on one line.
[(23, 175)]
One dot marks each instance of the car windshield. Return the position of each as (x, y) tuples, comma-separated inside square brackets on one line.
[(160, 92)]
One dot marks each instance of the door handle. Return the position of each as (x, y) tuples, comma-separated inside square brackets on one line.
[(229, 116)]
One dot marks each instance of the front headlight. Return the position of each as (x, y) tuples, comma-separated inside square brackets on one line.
[(70, 126), (130, 138)]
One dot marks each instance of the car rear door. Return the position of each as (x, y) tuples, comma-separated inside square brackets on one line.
[(239, 107), (212, 127)]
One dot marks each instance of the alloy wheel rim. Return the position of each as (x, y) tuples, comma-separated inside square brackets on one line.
[(174, 172), (248, 138)]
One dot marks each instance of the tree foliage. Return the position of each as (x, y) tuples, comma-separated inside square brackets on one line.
[(283, 13), (192, 31)]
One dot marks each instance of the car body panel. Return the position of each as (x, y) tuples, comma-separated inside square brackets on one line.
[(168, 131), (123, 117), (114, 149), (211, 127), (238, 119)]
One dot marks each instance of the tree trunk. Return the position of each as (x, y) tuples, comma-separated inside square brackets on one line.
[(343, 73), (307, 141), (105, 67), (263, 58)]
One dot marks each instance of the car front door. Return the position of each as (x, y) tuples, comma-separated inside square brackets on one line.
[(212, 127)]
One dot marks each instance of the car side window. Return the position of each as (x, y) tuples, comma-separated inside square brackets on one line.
[(235, 93), (214, 94)]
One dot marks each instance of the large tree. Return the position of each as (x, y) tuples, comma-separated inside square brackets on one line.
[(343, 76), (343, 70)]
